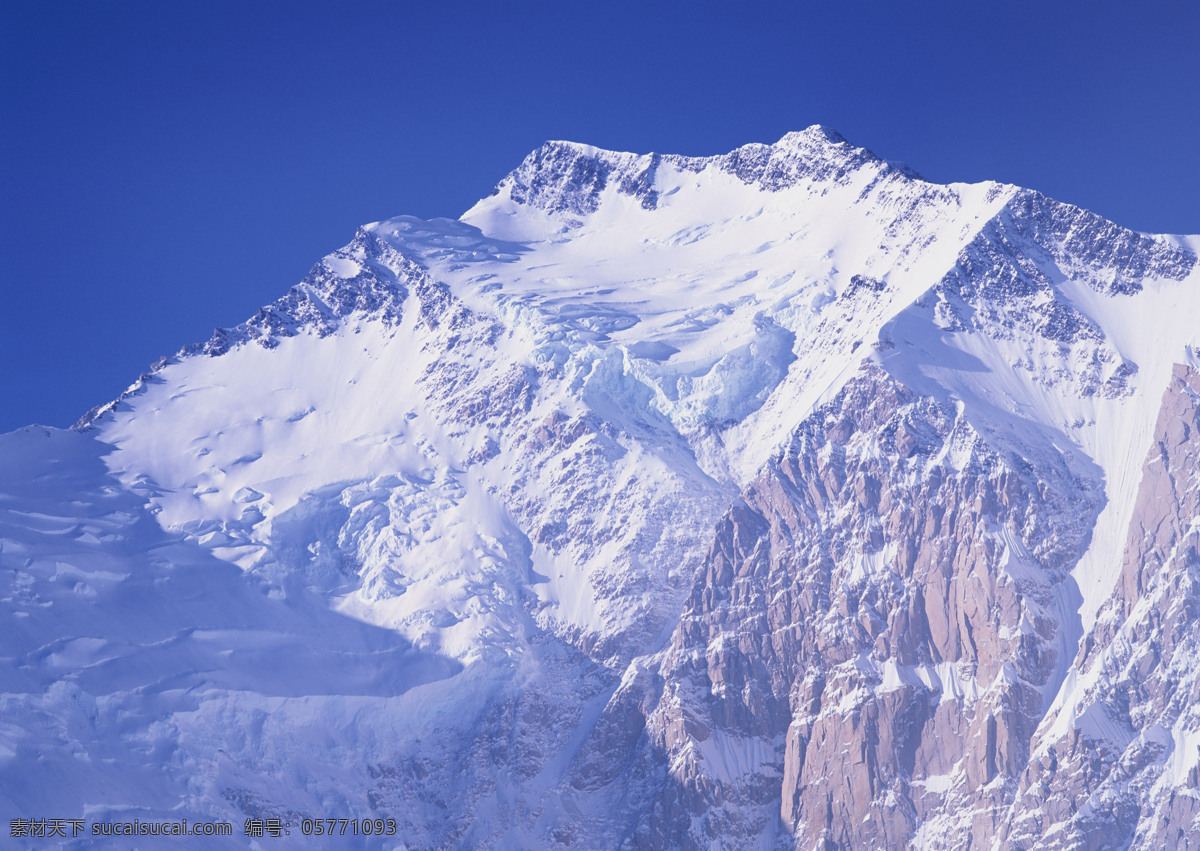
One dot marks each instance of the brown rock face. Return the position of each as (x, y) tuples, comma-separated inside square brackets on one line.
[(1121, 767), (875, 626)]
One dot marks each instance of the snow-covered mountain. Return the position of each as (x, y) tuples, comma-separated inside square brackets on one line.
[(776, 499)]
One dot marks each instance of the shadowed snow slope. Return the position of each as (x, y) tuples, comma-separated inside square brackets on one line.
[(618, 511)]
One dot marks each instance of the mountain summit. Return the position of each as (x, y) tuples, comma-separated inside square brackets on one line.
[(565, 177), (775, 499)]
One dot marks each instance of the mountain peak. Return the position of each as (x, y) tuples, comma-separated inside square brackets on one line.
[(821, 142), (569, 178), (812, 133)]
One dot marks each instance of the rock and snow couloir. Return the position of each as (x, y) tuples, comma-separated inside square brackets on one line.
[(775, 499)]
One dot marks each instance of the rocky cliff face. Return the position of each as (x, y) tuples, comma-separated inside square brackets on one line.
[(776, 499), (877, 624), (1120, 765)]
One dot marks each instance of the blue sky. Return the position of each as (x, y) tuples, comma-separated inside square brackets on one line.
[(166, 168)]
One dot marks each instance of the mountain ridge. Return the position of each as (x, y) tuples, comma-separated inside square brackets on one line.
[(292, 310)]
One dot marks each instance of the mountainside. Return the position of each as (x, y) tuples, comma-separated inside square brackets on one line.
[(780, 499)]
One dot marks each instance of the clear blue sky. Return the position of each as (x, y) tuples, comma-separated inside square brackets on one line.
[(166, 168)]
